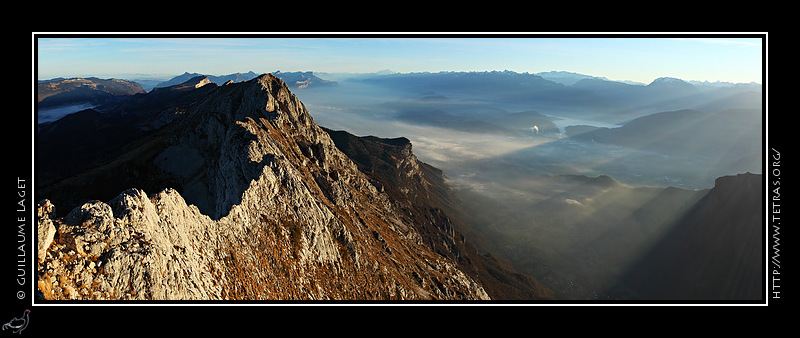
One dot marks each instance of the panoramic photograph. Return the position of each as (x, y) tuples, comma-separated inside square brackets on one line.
[(399, 169)]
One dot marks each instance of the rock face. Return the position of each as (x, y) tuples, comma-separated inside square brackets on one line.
[(134, 247), (421, 197), (268, 208)]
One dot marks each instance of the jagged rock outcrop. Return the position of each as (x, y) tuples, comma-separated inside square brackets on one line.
[(134, 247), (268, 208)]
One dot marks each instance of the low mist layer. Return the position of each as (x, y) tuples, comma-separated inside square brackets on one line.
[(569, 194), (575, 185)]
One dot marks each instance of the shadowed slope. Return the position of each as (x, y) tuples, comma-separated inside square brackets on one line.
[(714, 252)]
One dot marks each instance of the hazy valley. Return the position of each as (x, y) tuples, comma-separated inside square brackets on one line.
[(575, 181), (598, 182)]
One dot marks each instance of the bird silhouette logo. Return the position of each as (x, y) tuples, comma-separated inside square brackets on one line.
[(18, 323)]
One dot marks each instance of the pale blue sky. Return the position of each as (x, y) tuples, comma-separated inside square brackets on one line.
[(640, 58)]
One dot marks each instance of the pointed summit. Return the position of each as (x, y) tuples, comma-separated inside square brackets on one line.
[(265, 96), (192, 83), (197, 81), (250, 199)]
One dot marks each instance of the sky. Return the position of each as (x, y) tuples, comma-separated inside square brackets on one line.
[(632, 57)]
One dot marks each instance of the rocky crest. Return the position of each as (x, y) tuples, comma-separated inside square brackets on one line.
[(269, 208)]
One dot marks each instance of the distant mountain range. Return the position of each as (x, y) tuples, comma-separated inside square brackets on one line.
[(295, 80), (559, 93), (570, 78), (63, 92), (251, 199), (562, 94), (308, 79)]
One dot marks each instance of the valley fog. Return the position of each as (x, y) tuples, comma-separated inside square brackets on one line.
[(469, 139), (52, 114), (571, 211), (570, 184)]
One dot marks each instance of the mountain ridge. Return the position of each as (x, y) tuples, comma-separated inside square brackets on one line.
[(295, 80), (555, 92), (287, 215), (62, 92)]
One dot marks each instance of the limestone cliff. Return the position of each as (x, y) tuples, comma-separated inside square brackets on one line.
[(264, 207)]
